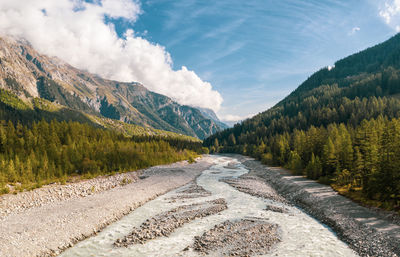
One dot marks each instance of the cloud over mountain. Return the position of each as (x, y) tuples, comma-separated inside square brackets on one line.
[(78, 32)]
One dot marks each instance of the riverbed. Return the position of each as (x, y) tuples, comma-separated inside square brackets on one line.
[(299, 233)]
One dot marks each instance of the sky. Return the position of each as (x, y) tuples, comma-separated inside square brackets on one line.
[(235, 57)]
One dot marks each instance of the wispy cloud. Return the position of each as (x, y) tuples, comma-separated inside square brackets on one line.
[(390, 12), (224, 29), (354, 30), (182, 11), (224, 52)]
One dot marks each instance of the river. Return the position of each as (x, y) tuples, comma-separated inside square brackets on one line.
[(301, 235)]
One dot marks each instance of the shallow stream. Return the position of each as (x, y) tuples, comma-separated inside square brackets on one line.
[(301, 234)]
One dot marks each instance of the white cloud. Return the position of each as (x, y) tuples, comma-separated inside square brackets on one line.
[(390, 12), (75, 31), (354, 30), (234, 118)]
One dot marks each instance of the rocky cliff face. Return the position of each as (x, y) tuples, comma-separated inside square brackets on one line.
[(29, 74), (208, 113)]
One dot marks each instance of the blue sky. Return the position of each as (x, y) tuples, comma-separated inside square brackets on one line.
[(256, 52), (247, 55)]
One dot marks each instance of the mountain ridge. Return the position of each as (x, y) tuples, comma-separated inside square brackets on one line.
[(341, 127), (29, 74), (208, 113)]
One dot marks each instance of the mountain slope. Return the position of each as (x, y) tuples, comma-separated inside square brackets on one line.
[(340, 126), (210, 114), (361, 86), (13, 109), (28, 74)]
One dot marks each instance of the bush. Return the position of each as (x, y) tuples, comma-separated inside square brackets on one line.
[(5, 190), (191, 159), (205, 150), (266, 159)]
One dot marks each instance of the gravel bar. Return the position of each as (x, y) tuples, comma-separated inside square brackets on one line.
[(255, 186), (247, 237), (59, 220), (190, 191), (165, 223)]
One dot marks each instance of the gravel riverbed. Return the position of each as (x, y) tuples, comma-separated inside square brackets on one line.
[(165, 223), (366, 231), (46, 221), (245, 237), (17, 203), (211, 217), (192, 190)]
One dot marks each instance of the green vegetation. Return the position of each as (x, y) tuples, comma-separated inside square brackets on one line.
[(12, 108), (45, 105), (46, 152), (136, 130), (12, 100), (52, 91), (46, 142), (341, 127)]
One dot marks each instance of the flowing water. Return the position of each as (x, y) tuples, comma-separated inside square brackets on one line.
[(301, 234)]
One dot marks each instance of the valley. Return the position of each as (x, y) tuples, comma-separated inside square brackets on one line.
[(185, 128), (264, 198)]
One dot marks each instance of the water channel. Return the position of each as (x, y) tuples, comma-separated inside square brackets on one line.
[(301, 235)]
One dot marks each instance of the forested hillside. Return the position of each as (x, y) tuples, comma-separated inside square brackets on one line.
[(44, 152), (13, 109), (340, 126), (44, 142)]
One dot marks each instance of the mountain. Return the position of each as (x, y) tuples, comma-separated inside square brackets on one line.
[(340, 126), (210, 114), (30, 75), (361, 86)]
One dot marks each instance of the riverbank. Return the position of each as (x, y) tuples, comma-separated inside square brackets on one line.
[(59, 218), (211, 217), (46, 221), (367, 231)]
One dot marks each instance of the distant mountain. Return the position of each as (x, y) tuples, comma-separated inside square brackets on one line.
[(28, 74), (210, 114)]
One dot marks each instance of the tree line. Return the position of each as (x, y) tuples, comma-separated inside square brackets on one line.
[(340, 127), (43, 152), (365, 158)]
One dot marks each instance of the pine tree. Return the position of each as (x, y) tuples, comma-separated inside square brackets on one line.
[(314, 168), (358, 168), (12, 174), (232, 140), (28, 174), (295, 163), (346, 148), (330, 160)]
